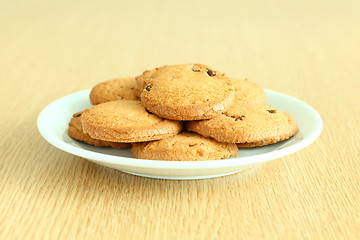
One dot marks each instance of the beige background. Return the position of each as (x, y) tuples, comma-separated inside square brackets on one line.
[(308, 49)]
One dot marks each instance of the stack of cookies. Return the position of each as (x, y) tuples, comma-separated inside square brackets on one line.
[(188, 112)]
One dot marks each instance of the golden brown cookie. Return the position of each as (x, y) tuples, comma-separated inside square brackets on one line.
[(248, 91), (186, 92), (248, 125), (115, 89), (184, 147), (126, 121), (75, 131)]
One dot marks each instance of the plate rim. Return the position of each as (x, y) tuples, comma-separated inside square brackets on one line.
[(163, 164)]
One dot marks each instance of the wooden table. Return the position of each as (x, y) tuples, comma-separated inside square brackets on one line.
[(307, 49)]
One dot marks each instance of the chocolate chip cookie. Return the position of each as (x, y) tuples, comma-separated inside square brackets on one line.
[(185, 146), (75, 131), (186, 92), (115, 89), (126, 121), (248, 125)]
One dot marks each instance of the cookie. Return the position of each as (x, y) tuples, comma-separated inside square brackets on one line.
[(115, 89), (126, 121), (248, 125), (247, 91), (186, 92), (185, 146), (75, 131)]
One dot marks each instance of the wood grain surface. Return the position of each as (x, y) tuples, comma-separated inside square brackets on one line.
[(307, 49)]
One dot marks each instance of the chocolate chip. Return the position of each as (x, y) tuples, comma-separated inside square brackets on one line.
[(211, 73), (148, 87), (192, 145), (271, 111), (240, 118), (195, 70), (78, 115)]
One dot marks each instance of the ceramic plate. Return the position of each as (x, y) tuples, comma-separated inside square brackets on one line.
[(53, 125)]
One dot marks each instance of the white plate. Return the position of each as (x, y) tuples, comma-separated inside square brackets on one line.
[(53, 124)]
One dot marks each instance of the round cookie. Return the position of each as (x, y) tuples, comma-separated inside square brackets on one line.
[(185, 146), (248, 91), (126, 121), (75, 131), (186, 92), (115, 89), (248, 125)]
